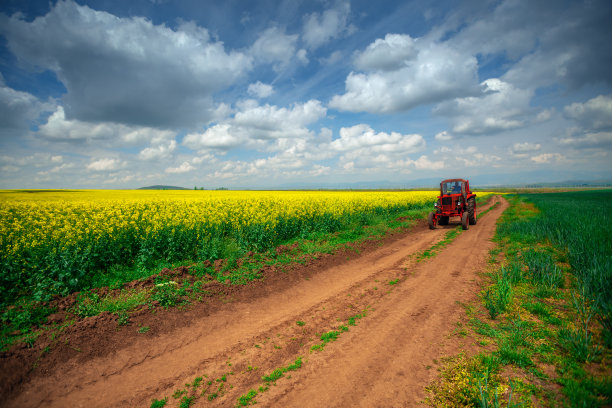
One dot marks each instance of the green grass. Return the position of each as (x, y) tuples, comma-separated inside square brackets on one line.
[(578, 224), (280, 372), (333, 335), (159, 403), (91, 304), (187, 401), (438, 246), (247, 399)]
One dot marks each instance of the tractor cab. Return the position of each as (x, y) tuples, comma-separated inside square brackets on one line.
[(452, 187), (453, 194)]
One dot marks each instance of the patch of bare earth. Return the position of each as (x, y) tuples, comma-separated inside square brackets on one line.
[(385, 360)]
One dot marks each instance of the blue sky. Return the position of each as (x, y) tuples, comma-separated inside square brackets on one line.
[(269, 94)]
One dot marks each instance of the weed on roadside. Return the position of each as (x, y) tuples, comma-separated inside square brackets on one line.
[(123, 318), (438, 246), (247, 399), (280, 372), (159, 403), (167, 293)]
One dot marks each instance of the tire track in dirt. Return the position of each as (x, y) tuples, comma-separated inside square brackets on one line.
[(395, 341)]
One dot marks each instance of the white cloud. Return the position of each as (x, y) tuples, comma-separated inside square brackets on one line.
[(274, 46), (271, 122), (185, 167), (423, 163), (363, 136), (215, 137), (279, 167), (105, 164), (443, 136), (318, 170), (302, 56), (548, 158), (358, 147), (260, 89), (254, 124), (525, 147), (310, 148), (362, 147), (589, 140), (57, 169), (458, 157), (545, 115), (34, 160), (162, 151), (319, 28), (333, 58), (523, 150), (126, 70), (388, 54), (435, 73), (500, 107), (58, 128), (18, 108), (9, 169), (62, 167), (120, 180), (594, 114), (206, 157)]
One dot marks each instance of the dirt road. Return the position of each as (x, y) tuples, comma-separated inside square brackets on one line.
[(386, 359)]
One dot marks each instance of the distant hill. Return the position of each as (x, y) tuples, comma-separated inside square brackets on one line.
[(159, 187)]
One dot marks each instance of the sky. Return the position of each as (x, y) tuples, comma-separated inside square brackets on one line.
[(286, 94)]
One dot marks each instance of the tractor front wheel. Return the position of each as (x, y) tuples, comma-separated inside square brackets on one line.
[(431, 220), (465, 221)]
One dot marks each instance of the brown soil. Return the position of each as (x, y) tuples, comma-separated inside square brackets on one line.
[(385, 360)]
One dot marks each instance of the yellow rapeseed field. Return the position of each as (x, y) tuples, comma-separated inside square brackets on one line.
[(30, 220), (62, 236)]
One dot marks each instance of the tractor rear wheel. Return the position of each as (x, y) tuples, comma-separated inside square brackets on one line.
[(443, 220), (465, 222), (430, 220), (472, 210)]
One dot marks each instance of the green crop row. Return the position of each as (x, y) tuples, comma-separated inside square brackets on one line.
[(579, 224)]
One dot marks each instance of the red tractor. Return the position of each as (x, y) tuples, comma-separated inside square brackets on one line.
[(455, 200)]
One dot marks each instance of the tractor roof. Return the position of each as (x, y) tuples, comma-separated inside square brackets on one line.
[(452, 180)]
